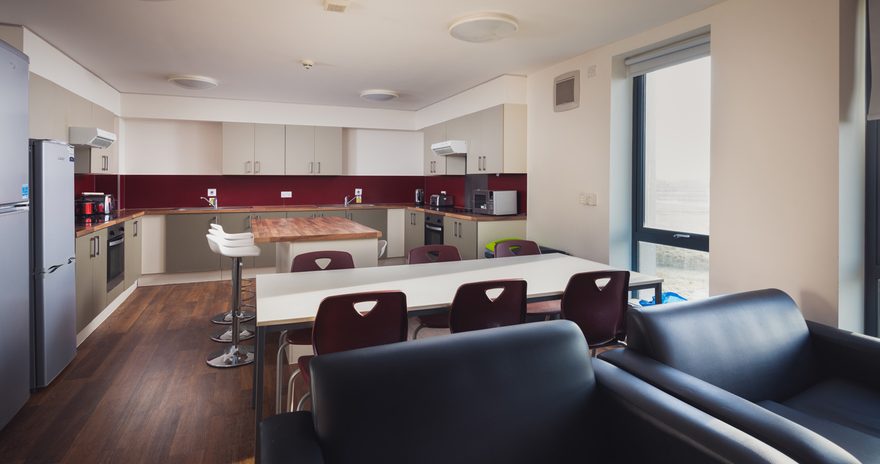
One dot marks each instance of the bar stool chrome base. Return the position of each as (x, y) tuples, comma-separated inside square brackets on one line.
[(233, 356), (226, 318), (246, 332)]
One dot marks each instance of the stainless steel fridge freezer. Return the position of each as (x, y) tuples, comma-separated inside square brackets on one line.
[(53, 245), (15, 338)]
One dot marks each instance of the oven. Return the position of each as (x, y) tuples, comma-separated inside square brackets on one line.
[(115, 255), (433, 229)]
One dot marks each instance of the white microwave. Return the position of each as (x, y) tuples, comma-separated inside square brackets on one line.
[(495, 202)]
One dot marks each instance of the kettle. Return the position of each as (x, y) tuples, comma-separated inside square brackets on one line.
[(420, 196)]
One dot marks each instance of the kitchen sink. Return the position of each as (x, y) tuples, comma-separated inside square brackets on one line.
[(340, 205)]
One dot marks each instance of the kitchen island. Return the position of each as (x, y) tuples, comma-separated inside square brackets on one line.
[(294, 236)]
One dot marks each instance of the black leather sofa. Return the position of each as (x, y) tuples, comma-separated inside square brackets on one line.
[(521, 394), (751, 360)]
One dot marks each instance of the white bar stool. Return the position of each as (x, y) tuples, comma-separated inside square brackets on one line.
[(234, 355), (244, 316), (246, 331)]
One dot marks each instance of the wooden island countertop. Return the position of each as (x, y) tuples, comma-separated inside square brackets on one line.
[(309, 230)]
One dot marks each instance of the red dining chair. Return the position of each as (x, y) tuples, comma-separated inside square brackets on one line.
[(306, 262), (473, 308), (600, 311), (432, 254), (516, 248), (341, 326)]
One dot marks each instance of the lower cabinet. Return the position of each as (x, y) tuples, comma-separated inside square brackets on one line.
[(186, 248), (267, 250), (414, 231), (462, 234), (91, 277), (133, 250), (372, 218)]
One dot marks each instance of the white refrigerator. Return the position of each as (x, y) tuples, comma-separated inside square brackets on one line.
[(15, 338)]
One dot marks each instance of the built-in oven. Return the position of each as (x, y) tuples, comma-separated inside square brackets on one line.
[(433, 229), (115, 255)]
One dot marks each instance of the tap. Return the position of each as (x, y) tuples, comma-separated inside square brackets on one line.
[(211, 201), (347, 201)]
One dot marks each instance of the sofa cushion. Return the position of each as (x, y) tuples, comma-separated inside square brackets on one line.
[(863, 446), (753, 344), (843, 402), (464, 398)]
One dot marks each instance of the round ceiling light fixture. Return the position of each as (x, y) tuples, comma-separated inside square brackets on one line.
[(379, 95), (192, 81), (484, 27)]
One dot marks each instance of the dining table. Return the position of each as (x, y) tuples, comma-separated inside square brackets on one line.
[(291, 300)]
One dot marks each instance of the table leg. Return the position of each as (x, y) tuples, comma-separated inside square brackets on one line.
[(658, 293), (260, 347)]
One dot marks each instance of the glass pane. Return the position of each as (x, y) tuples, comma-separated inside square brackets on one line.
[(684, 271), (677, 147)]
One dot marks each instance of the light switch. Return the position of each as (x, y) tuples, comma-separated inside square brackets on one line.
[(592, 199), (212, 192), (286, 194), (358, 191), (582, 198)]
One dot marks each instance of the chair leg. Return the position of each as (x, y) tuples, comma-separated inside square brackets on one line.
[(290, 390), (302, 401), (282, 344), (416, 332)]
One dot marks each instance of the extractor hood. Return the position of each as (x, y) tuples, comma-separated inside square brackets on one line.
[(450, 147), (91, 137)]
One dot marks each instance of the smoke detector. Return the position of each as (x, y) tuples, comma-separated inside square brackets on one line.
[(336, 6), (379, 95), (192, 81), (307, 64)]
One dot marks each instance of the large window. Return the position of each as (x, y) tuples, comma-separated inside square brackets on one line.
[(671, 175)]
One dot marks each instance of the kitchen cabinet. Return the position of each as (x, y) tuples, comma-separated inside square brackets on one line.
[(90, 160), (267, 250), (91, 277), (414, 231), (47, 109), (82, 113), (133, 251), (186, 248), (461, 234), (253, 149), (437, 165), (372, 218), (499, 140), (311, 150)]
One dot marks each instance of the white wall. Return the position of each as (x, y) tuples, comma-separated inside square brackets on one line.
[(172, 147), (775, 153), (503, 89), (382, 153)]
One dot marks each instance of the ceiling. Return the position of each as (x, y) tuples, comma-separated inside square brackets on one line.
[(253, 47)]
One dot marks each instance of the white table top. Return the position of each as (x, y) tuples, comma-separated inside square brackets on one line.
[(294, 297)]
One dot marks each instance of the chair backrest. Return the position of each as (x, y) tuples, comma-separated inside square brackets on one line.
[(523, 394), (306, 262), (433, 254), (516, 248), (753, 344), (600, 312), (340, 326), (473, 309)]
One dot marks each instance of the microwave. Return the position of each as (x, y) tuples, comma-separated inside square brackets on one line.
[(495, 202)]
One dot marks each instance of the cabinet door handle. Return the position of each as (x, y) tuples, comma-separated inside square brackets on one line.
[(97, 246), (247, 167), (135, 223), (319, 167), (311, 167), (256, 167), (92, 247)]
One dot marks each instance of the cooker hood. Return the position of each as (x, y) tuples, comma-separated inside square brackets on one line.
[(91, 137), (450, 147)]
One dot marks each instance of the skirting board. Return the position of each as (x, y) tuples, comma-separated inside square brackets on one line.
[(110, 309)]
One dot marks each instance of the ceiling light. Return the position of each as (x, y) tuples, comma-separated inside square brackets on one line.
[(379, 95), (193, 82), (484, 27)]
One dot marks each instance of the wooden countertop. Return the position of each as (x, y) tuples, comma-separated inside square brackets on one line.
[(309, 230), (121, 216), (469, 216)]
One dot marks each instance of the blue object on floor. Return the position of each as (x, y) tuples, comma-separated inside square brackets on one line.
[(668, 297)]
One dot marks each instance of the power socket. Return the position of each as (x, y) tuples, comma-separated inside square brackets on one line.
[(212, 192), (286, 194)]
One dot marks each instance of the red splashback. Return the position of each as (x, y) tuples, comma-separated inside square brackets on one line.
[(452, 185), (105, 183), (159, 191), (518, 182)]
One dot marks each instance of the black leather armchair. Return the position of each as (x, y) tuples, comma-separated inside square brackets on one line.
[(521, 394), (751, 360)]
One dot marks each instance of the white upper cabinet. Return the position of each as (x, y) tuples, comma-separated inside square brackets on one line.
[(253, 149), (438, 165), (498, 143), (328, 151), (268, 149), (313, 151)]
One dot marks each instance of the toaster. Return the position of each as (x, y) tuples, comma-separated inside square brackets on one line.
[(441, 199)]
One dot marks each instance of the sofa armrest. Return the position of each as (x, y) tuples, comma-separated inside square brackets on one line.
[(845, 354), (696, 431), (289, 437), (795, 441)]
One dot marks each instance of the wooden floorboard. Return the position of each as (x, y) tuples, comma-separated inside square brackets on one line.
[(139, 390)]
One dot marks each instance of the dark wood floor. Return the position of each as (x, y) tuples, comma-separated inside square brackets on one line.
[(139, 390)]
